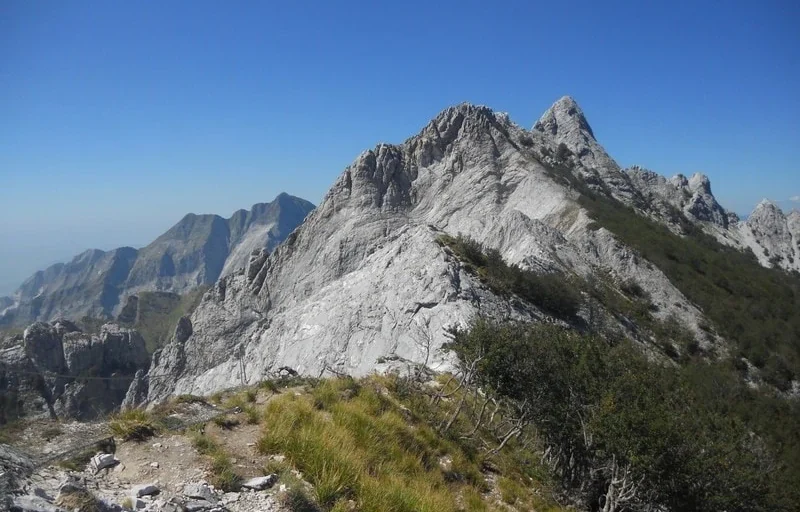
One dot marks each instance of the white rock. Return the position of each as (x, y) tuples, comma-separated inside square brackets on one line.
[(154, 465), (261, 482), (102, 461), (195, 505)]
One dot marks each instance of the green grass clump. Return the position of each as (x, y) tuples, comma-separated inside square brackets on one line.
[(190, 399), (51, 432), (225, 422), (252, 415), (134, 425), (297, 500), (269, 385), (352, 442), (78, 461)]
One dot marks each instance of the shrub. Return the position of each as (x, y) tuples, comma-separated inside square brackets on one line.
[(190, 399), (599, 406), (562, 152), (553, 293)]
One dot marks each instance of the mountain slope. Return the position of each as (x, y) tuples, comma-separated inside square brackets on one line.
[(196, 251), (363, 278)]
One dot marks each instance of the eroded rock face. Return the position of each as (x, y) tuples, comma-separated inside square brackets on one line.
[(773, 237), (59, 371), (364, 278), (690, 196)]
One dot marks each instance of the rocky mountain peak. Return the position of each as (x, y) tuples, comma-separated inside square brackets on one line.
[(460, 120), (565, 119), (700, 183), (773, 236), (766, 207)]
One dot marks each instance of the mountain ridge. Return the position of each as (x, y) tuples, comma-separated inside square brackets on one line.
[(192, 252), (363, 278), (368, 254)]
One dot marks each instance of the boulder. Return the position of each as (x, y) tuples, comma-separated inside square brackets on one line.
[(102, 461), (145, 490), (260, 483), (200, 491)]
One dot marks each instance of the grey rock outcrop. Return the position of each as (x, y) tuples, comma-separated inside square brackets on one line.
[(57, 370), (196, 251), (364, 278), (773, 237), (690, 196)]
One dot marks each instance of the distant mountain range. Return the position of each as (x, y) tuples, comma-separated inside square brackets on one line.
[(198, 250)]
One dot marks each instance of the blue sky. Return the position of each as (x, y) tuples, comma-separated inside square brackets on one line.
[(117, 118)]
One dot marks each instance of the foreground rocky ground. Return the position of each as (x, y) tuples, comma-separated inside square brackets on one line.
[(341, 444), (45, 470)]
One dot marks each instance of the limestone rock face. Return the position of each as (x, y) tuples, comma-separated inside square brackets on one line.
[(43, 346), (690, 196), (363, 278), (773, 237), (564, 123), (57, 370), (196, 251)]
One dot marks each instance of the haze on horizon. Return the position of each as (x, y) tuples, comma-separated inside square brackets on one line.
[(117, 119)]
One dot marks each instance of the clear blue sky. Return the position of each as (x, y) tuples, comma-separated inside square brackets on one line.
[(116, 118)]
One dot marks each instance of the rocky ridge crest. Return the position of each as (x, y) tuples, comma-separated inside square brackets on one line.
[(363, 277)]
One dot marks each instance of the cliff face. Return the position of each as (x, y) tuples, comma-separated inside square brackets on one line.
[(53, 369), (196, 251)]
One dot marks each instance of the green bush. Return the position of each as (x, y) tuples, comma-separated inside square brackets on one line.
[(755, 307), (598, 405), (554, 293)]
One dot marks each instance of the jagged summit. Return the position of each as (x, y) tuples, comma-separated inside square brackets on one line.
[(363, 278), (564, 118), (767, 204)]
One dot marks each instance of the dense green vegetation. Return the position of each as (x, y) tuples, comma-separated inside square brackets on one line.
[(554, 293), (755, 307), (624, 432), (560, 296), (692, 436)]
